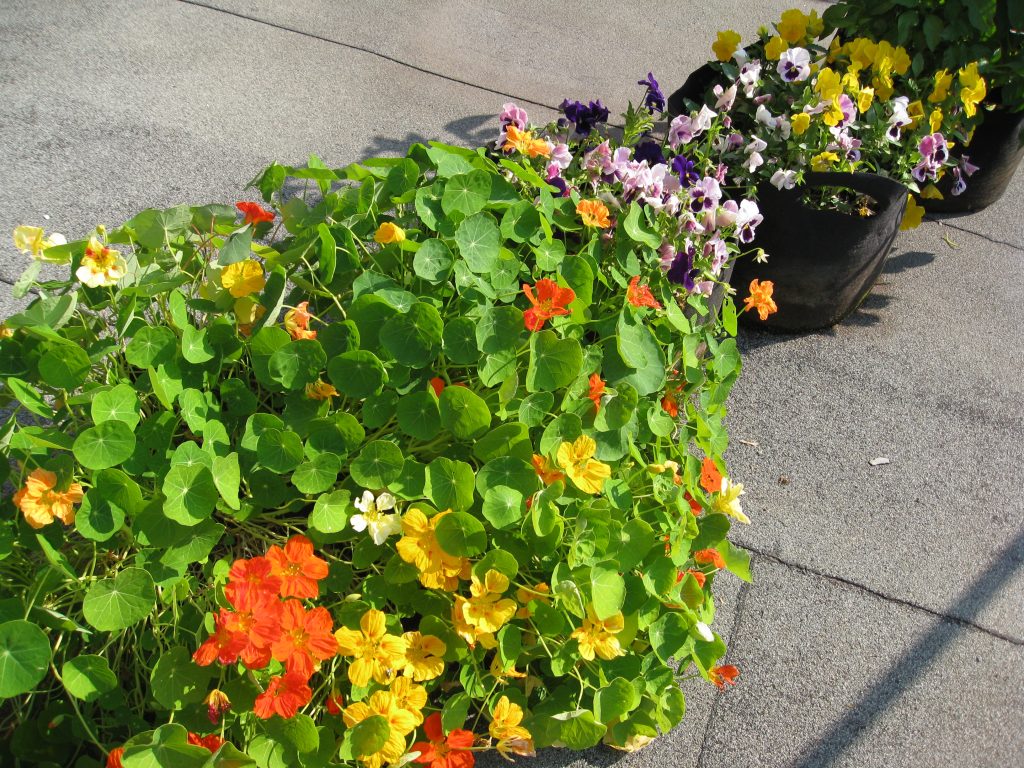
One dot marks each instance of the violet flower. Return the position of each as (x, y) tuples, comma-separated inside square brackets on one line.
[(584, 117), (513, 115), (650, 151), (654, 99), (684, 167)]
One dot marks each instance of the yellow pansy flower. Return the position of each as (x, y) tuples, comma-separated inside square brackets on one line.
[(586, 473), (243, 278), (862, 52), (823, 161), (913, 215), (833, 114), (726, 44), (815, 24), (800, 122), (943, 79), (793, 25), (931, 192), (423, 656), (882, 82), (597, 637), (389, 233), (865, 98), (775, 47), (972, 88), (34, 241), (935, 120), (828, 84), (377, 654), (915, 111)]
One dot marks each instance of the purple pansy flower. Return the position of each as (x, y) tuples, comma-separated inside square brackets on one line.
[(681, 272), (684, 168), (654, 99), (584, 116), (650, 151)]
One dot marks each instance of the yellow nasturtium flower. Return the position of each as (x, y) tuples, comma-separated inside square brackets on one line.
[(423, 656), (775, 47), (800, 122), (243, 278), (972, 88), (34, 241), (793, 25), (389, 233), (377, 654), (576, 458), (505, 721), (400, 724), (828, 84), (913, 215), (597, 637), (410, 697), (726, 44), (101, 266), (943, 80)]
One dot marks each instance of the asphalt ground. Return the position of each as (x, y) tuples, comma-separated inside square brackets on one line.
[(885, 624)]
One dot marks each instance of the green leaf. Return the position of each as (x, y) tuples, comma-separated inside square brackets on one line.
[(279, 450), (167, 747), (98, 519), (105, 445), (464, 413), (638, 229), (119, 403), (503, 506), (88, 677), (236, 248), (318, 474), (29, 397), (378, 464), (298, 731), (194, 547), (520, 222), (461, 535), (24, 657), (195, 346), (460, 341), (479, 242), (176, 680), (581, 731), (413, 338), (510, 644), (189, 493), (449, 484), (151, 345), (615, 700), (357, 374), (736, 560), (331, 512), (668, 635), (554, 363), (509, 471), (535, 408), (466, 193), (297, 364), (607, 589), (368, 736), (455, 711), (433, 261), (115, 604), (419, 416), (64, 366), (227, 478)]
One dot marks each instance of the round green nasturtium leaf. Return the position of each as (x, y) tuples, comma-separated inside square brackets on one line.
[(455, 711), (64, 366), (581, 731), (189, 493), (433, 261), (297, 364), (535, 408), (151, 345), (466, 193), (331, 512), (554, 362), (460, 341), (509, 439), (195, 345), (176, 680), (227, 476), (668, 635), (413, 338), (461, 535), (419, 416), (464, 413), (119, 403), (299, 732), (509, 471), (369, 735), (449, 484), (88, 677), (24, 657), (369, 312), (479, 241), (114, 604), (496, 560), (279, 450), (520, 222), (378, 410), (357, 374), (105, 445), (615, 700), (503, 506), (318, 474), (608, 590), (262, 346), (98, 518), (378, 464)]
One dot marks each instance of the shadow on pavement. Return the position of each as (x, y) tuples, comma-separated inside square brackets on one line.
[(913, 665), (907, 261), (472, 131)]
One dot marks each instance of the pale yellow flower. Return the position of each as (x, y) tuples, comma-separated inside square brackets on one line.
[(34, 241), (100, 266)]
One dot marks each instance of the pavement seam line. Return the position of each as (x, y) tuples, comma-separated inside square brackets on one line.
[(741, 602), (369, 51), (946, 223), (888, 598)]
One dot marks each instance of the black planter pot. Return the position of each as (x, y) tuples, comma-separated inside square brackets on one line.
[(695, 89), (823, 263), (997, 149)]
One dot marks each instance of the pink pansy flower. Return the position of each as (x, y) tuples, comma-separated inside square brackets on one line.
[(726, 97)]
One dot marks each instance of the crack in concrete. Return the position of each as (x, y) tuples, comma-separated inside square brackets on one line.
[(888, 598), (983, 236), (370, 51)]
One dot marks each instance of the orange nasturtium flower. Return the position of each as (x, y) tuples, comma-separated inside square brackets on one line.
[(284, 696), (594, 213), (709, 557), (551, 300), (41, 503), (211, 742), (440, 751), (524, 142), (389, 232), (576, 458), (250, 581), (306, 638), (114, 758), (726, 673), (254, 212), (506, 729), (243, 278), (377, 654), (760, 298), (598, 636), (296, 322), (320, 390), (297, 567), (546, 471), (640, 295), (224, 645), (400, 723), (597, 387), (335, 702), (710, 477), (257, 620), (670, 403), (423, 656)]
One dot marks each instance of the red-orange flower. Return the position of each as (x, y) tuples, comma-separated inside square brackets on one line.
[(698, 575), (114, 757), (597, 386), (306, 638), (709, 557), (441, 752), (437, 384), (760, 298), (710, 477), (296, 322), (223, 645), (640, 295), (546, 471), (211, 741), (695, 506), (259, 624), (254, 212), (335, 703), (250, 582), (297, 567), (726, 673), (217, 703), (670, 404), (284, 696), (550, 301)]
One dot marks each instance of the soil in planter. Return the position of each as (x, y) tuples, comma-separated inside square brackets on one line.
[(841, 200)]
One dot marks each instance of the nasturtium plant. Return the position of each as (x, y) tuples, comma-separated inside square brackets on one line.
[(422, 459)]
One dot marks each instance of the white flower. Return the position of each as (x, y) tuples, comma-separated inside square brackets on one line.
[(794, 65), (764, 117), (726, 97), (705, 632), (374, 517), (783, 179), (749, 74)]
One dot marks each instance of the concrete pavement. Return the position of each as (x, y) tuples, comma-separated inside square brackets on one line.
[(885, 624)]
